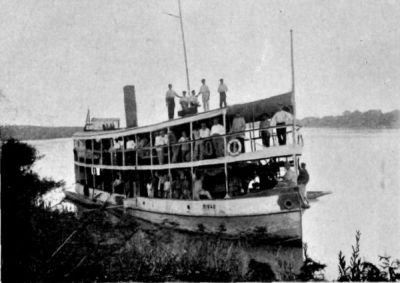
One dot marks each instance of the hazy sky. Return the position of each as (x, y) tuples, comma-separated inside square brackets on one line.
[(60, 57)]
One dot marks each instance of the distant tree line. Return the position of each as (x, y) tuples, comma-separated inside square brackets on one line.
[(371, 119), (37, 132)]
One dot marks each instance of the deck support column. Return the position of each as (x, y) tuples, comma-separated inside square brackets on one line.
[(93, 169), (191, 154), (225, 163)]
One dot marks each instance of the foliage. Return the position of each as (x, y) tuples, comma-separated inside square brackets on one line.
[(360, 270), (311, 270), (371, 119), (37, 132)]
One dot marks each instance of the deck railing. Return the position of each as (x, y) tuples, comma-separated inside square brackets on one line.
[(199, 149)]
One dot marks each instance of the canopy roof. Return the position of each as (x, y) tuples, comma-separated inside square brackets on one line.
[(257, 108)]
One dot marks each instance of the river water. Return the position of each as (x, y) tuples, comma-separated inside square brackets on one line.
[(360, 167)]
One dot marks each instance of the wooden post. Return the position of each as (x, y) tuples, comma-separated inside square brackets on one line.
[(123, 151), (184, 47), (151, 151), (293, 101), (93, 168), (191, 139), (225, 163)]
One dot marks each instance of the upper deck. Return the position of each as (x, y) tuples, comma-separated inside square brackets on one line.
[(139, 148)]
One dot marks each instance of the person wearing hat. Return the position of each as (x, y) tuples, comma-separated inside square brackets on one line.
[(222, 89), (205, 92), (170, 100), (281, 118)]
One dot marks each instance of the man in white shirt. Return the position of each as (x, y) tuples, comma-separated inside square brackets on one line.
[(170, 100), (205, 92), (281, 118), (159, 143), (204, 132), (222, 89), (130, 144), (218, 130)]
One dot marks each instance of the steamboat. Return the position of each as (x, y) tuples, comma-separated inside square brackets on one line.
[(240, 174)]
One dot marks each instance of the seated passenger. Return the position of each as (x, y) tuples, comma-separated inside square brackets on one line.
[(198, 187), (185, 147), (194, 103), (218, 142), (184, 101), (174, 147), (239, 126)]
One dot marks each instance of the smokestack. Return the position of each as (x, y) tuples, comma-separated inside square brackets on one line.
[(130, 106)]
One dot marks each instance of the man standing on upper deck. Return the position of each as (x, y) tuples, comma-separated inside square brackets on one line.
[(218, 130), (170, 100), (281, 118), (222, 89), (205, 92)]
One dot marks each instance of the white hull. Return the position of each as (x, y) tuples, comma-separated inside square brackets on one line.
[(273, 218)]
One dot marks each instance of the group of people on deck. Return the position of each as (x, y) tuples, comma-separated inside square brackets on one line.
[(178, 186), (190, 103)]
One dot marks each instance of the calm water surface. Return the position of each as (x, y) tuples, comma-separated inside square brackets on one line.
[(360, 167)]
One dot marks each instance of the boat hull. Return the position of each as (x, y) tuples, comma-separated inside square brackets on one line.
[(272, 219), (269, 228)]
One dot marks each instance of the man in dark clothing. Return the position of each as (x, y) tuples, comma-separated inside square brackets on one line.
[(170, 100), (302, 181)]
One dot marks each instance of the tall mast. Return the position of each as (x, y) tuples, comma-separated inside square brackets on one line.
[(184, 47), (293, 99)]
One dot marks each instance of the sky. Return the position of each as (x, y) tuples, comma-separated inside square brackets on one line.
[(60, 57)]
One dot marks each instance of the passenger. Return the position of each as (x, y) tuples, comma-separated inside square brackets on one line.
[(198, 151), (281, 118), (155, 184), (186, 192), (290, 177), (170, 100), (159, 143), (302, 181), (205, 92), (150, 189), (174, 147), (222, 89), (254, 183), (142, 143), (167, 187), (176, 187), (198, 187), (218, 142), (204, 133), (265, 134), (130, 144), (160, 186), (117, 184), (239, 126), (185, 148), (194, 103), (184, 101)]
